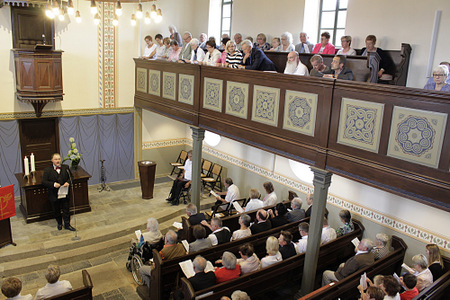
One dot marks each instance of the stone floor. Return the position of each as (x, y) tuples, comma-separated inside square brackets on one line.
[(105, 234)]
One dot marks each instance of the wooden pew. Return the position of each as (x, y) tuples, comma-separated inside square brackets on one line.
[(290, 270), (228, 221), (358, 64), (440, 288), (81, 293), (347, 287)]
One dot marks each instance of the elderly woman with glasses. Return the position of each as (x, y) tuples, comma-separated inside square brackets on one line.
[(440, 74), (346, 41)]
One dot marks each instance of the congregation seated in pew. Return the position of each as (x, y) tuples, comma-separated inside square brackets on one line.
[(303, 228), (297, 213), (230, 269), (346, 218), (244, 231), (220, 234), (254, 202), (409, 282), (237, 295), (440, 80), (435, 262), (11, 288), (232, 193), (273, 252), (328, 233), (249, 262), (201, 241), (421, 271), (380, 250), (270, 198), (286, 247), (319, 68), (262, 222), (338, 69), (294, 66), (54, 286), (277, 216)]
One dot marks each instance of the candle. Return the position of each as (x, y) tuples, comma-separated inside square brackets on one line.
[(26, 166), (33, 166)]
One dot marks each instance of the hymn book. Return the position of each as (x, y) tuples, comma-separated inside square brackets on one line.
[(410, 270), (188, 267)]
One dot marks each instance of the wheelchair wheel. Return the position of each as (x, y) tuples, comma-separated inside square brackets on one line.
[(136, 264)]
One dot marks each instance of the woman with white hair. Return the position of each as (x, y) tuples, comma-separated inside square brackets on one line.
[(153, 235), (175, 35), (286, 43), (197, 53), (421, 271), (440, 74), (381, 249), (230, 269), (273, 253)]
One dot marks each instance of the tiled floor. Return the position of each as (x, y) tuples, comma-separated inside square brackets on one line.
[(105, 234)]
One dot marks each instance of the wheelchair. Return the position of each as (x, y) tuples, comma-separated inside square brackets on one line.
[(140, 256)]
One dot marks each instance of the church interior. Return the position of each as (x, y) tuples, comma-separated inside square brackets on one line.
[(107, 103)]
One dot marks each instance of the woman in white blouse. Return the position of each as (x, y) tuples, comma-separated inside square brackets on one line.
[(346, 41), (273, 253), (212, 54), (286, 43), (197, 53), (150, 49)]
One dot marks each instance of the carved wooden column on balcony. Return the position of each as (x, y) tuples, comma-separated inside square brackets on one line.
[(38, 76)]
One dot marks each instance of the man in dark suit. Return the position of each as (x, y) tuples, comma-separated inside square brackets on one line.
[(287, 248), (255, 59), (363, 258), (54, 177), (262, 223), (297, 213), (201, 280)]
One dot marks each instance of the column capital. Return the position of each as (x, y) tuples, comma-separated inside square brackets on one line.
[(321, 177), (197, 133)]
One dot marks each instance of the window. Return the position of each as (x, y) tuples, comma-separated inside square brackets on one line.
[(333, 14), (225, 27)]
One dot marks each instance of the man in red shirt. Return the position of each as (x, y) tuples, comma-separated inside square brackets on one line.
[(409, 282)]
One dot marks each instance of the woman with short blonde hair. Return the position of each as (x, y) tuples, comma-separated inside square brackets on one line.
[(273, 253)]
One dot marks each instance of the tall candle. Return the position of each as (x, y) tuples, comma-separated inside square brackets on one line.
[(33, 167), (26, 166)]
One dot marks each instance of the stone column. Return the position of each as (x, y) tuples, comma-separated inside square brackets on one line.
[(197, 139), (322, 181)]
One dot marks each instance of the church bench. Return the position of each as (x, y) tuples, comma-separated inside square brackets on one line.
[(166, 273), (440, 288), (267, 279), (81, 293), (347, 287), (358, 64), (232, 222)]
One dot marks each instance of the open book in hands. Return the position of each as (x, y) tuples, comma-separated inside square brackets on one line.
[(188, 267)]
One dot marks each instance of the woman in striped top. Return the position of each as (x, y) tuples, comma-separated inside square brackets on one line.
[(234, 57)]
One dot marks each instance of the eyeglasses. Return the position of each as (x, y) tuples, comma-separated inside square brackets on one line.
[(438, 75)]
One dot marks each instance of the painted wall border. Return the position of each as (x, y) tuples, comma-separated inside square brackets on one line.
[(421, 234)]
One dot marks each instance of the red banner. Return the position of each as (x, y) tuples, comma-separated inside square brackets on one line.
[(7, 207)]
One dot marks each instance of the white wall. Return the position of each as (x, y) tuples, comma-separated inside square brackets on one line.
[(269, 17), (402, 21), (156, 127)]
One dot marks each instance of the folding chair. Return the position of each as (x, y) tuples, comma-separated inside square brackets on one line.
[(214, 180), (185, 194), (180, 161), (217, 209), (206, 168)]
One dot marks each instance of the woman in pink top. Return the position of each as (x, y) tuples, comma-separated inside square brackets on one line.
[(173, 56), (223, 58), (324, 47)]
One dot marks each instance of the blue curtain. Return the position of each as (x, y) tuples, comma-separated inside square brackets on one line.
[(101, 137), (10, 160)]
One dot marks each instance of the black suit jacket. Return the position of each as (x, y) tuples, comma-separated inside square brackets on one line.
[(259, 61), (203, 280), (51, 176), (196, 219), (260, 227)]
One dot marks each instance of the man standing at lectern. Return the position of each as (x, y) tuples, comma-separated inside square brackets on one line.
[(55, 177)]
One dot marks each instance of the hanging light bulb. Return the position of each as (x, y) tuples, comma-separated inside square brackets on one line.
[(139, 11), (153, 12), (97, 19), (158, 16), (93, 7), (115, 22), (133, 20), (147, 19), (78, 16), (118, 8), (70, 9), (55, 8), (61, 14), (49, 13)]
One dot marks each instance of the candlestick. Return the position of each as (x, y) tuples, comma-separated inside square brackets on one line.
[(26, 166), (33, 166)]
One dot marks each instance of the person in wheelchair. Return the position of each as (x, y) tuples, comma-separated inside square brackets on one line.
[(152, 239)]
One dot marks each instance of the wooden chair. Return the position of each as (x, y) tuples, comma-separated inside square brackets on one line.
[(180, 161), (206, 168), (214, 180), (82, 293)]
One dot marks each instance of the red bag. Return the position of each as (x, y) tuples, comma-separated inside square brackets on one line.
[(7, 207)]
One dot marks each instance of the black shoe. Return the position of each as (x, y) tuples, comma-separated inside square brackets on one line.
[(68, 227), (59, 226), (175, 202), (170, 199)]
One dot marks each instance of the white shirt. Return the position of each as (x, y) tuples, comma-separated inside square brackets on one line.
[(52, 289), (241, 233), (232, 193), (211, 60), (301, 245), (350, 52), (200, 55), (271, 259), (213, 237), (301, 70), (396, 297), (20, 297), (148, 51), (254, 204), (328, 234), (270, 199), (160, 50), (188, 170)]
